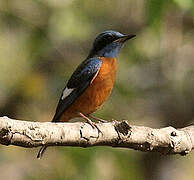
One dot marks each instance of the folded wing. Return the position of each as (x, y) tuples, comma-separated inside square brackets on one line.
[(77, 84)]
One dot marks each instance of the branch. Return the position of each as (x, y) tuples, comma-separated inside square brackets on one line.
[(166, 140)]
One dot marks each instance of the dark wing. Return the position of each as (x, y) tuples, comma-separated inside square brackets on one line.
[(78, 83)]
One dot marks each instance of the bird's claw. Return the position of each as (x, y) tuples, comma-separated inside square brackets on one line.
[(91, 123), (94, 126)]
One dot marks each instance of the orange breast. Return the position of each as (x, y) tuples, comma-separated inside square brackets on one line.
[(97, 92)]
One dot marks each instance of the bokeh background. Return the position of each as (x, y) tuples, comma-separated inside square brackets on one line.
[(41, 43)]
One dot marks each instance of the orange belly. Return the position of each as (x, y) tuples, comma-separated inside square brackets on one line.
[(97, 92)]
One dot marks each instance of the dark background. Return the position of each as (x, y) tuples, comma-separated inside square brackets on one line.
[(41, 43)]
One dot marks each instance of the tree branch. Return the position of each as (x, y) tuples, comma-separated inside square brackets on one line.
[(166, 140)]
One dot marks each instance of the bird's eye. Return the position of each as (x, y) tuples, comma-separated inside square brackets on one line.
[(109, 37)]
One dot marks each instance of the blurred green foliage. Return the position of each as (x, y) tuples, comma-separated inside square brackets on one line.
[(41, 43)]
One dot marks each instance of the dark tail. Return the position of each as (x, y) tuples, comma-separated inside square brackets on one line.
[(41, 152)]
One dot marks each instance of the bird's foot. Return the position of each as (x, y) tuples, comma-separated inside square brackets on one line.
[(90, 122), (97, 119)]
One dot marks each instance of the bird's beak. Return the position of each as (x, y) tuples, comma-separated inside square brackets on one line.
[(125, 38)]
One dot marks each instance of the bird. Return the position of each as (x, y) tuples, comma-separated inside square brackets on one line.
[(92, 81)]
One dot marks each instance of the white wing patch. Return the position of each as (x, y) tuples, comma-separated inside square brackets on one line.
[(66, 93)]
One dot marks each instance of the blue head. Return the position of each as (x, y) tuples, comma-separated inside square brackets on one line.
[(108, 44)]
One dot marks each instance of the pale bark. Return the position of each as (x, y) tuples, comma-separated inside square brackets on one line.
[(28, 134)]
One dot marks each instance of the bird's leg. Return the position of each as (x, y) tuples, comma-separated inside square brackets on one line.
[(97, 119), (87, 119), (89, 122)]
